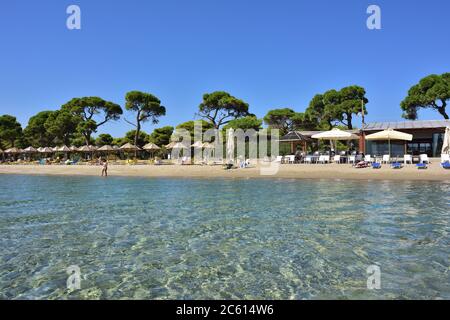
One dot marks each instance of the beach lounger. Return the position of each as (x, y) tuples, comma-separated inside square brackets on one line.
[(376, 165), (386, 159), (308, 159), (396, 165), (337, 159), (445, 165), (445, 157), (279, 159), (362, 164), (422, 166), (324, 159), (368, 158)]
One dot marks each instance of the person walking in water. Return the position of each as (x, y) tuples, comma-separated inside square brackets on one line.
[(105, 168)]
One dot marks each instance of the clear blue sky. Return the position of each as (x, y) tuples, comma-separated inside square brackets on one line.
[(269, 53)]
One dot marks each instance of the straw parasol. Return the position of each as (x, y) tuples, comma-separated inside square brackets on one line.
[(446, 143), (73, 148), (84, 149), (198, 144), (30, 149), (106, 148), (170, 145), (129, 147), (179, 145), (13, 150), (46, 150), (63, 148), (390, 134), (150, 147), (208, 145)]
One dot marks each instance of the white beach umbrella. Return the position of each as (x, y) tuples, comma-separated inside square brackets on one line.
[(390, 134), (230, 145), (446, 144), (335, 134)]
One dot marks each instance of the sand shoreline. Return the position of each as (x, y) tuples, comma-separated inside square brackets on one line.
[(286, 171)]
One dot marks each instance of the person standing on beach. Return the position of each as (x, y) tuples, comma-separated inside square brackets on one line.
[(105, 168)]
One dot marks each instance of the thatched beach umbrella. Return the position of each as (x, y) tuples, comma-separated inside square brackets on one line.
[(107, 149), (73, 149), (46, 150), (13, 150), (63, 148), (128, 147), (30, 150), (170, 145), (151, 148), (198, 144)]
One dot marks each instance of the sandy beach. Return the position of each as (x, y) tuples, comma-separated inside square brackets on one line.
[(286, 171)]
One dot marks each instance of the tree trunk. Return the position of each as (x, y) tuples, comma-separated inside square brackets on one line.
[(442, 110), (349, 121), (136, 136)]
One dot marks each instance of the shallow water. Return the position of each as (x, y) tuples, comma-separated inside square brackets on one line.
[(222, 239)]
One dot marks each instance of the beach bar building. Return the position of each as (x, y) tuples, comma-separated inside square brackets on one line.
[(428, 137)]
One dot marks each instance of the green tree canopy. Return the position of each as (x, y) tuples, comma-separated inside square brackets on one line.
[(280, 119), (220, 107), (189, 126), (245, 123), (61, 125), (432, 92), (130, 136), (147, 108), (10, 130), (104, 139), (36, 133), (90, 108), (161, 136), (337, 107), (118, 142)]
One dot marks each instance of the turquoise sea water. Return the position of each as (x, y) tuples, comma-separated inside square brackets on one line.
[(222, 239)]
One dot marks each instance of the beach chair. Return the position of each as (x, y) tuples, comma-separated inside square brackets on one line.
[(324, 159), (386, 159), (407, 158), (279, 159), (423, 158), (422, 166), (396, 165), (445, 157), (290, 159), (352, 159), (368, 158), (337, 159), (376, 165), (308, 159)]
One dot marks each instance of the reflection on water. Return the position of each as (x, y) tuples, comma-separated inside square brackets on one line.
[(222, 239)]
